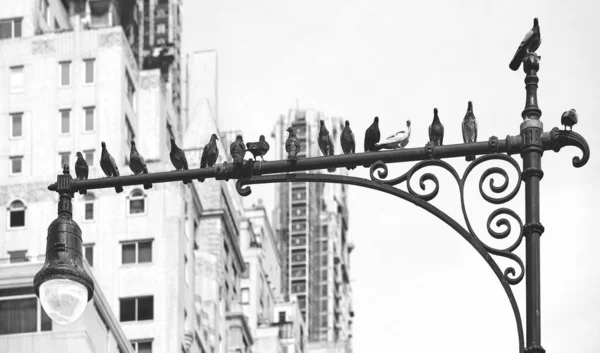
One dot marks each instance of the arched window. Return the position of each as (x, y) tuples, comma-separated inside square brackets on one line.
[(16, 214), (137, 202), (88, 202)]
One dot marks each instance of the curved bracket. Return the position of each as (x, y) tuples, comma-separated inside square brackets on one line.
[(422, 201), (557, 139)]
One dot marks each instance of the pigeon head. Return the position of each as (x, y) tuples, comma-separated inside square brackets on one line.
[(214, 137), (322, 123), (535, 22), (376, 120), (261, 138), (407, 122), (435, 111), (132, 143), (290, 129), (470, 106), (238, 138), (79, 155), (347, 123), (103, 144), (172, 141)]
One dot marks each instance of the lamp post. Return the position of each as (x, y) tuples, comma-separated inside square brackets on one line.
[(63, 261)]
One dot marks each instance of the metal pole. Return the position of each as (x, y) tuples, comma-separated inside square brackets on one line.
[(531, 152)]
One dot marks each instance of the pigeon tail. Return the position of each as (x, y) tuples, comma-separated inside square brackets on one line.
[(148, 186), (119, 189), (515, 63)]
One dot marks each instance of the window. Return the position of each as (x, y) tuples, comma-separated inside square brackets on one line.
[(144, 346), (298, 287), (17, 79), (137, 309), (89, 118), (161, 28), (20, 312), (89, 207), (16, 125), (65, 73), (16, 164), (89, 70), (10, 28), (89, 253), (130, 88), (18, 256), (16, 214), (89, 157), (245, 295), (137, 202), (136, 252), (65, 158), (65, 121)]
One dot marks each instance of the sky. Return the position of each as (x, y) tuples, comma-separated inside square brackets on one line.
[(417, 285)]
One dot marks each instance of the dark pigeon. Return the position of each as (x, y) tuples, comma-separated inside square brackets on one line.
[(108, 165), (210, 153), (395, 141), (529, 44), (237, 150), (325, 143), (436, 130), (292, 145), (81, 167), (137, 163), (347, 141), (178, 159), (258, 149), (372, 135), (469, 129), (569, 118)]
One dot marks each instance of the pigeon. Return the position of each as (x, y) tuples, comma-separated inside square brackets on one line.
[(436, 130), (210, 153), (81, 167), (259, 148), (529, 44), (237, 150), (395, 141), (325, 143), (347, 141), (292, 145), (178, 159), (469, 129), (372, 135), (137, 163), (569, 118), (109, 166)]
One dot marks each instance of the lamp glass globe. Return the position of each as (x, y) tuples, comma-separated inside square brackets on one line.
[(63, 300)]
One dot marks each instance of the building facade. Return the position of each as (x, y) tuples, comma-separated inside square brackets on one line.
[(312, 223)]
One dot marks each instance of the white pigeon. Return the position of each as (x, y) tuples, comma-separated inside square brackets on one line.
[(397, 140)]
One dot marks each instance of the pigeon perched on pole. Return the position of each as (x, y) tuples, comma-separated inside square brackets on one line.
[(210, 153), (569, 118), (237, 150), (529, 44), (258, 149), (372, 135), (108, 165), (81, 167), (436, 130), (395, 141), (347, 141), (137, 163), (178, 159), (325, 143), (469, 129), (292, 145)]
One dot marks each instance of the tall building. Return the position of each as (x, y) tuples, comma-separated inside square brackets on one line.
[(312, 223)]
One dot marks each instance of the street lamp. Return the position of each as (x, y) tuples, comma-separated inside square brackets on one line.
[(63, 286)]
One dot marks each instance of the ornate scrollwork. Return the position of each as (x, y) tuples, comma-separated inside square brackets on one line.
[(557, 139)]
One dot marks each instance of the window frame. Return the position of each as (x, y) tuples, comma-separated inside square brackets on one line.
[(85, 110), (137, 242), (131, 197), (136, 307), (90, 161), (245, 293), (25, 257), (89, 246), (85, 72), (10, 209), (135, 343), (39, 309), (90, 198), (10, 166), (11, 135), (13, 22), (60, 73), (11, 87), (60, 121), (61, 155)]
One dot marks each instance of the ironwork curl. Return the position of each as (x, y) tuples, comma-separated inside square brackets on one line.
[(557, 139)]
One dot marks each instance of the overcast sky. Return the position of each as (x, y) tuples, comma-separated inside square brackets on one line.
[(418, 286)]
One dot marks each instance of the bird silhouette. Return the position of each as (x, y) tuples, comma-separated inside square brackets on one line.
[(210, 153), (436, 130), (108, 165), (569, 118), (137, 163), (347, 141), (178, 159), (237, 150), (258, 149), (372, 135), (469, 129), (325, 143), (395, 141), (81, 167), (529, 44), (292, 145)]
